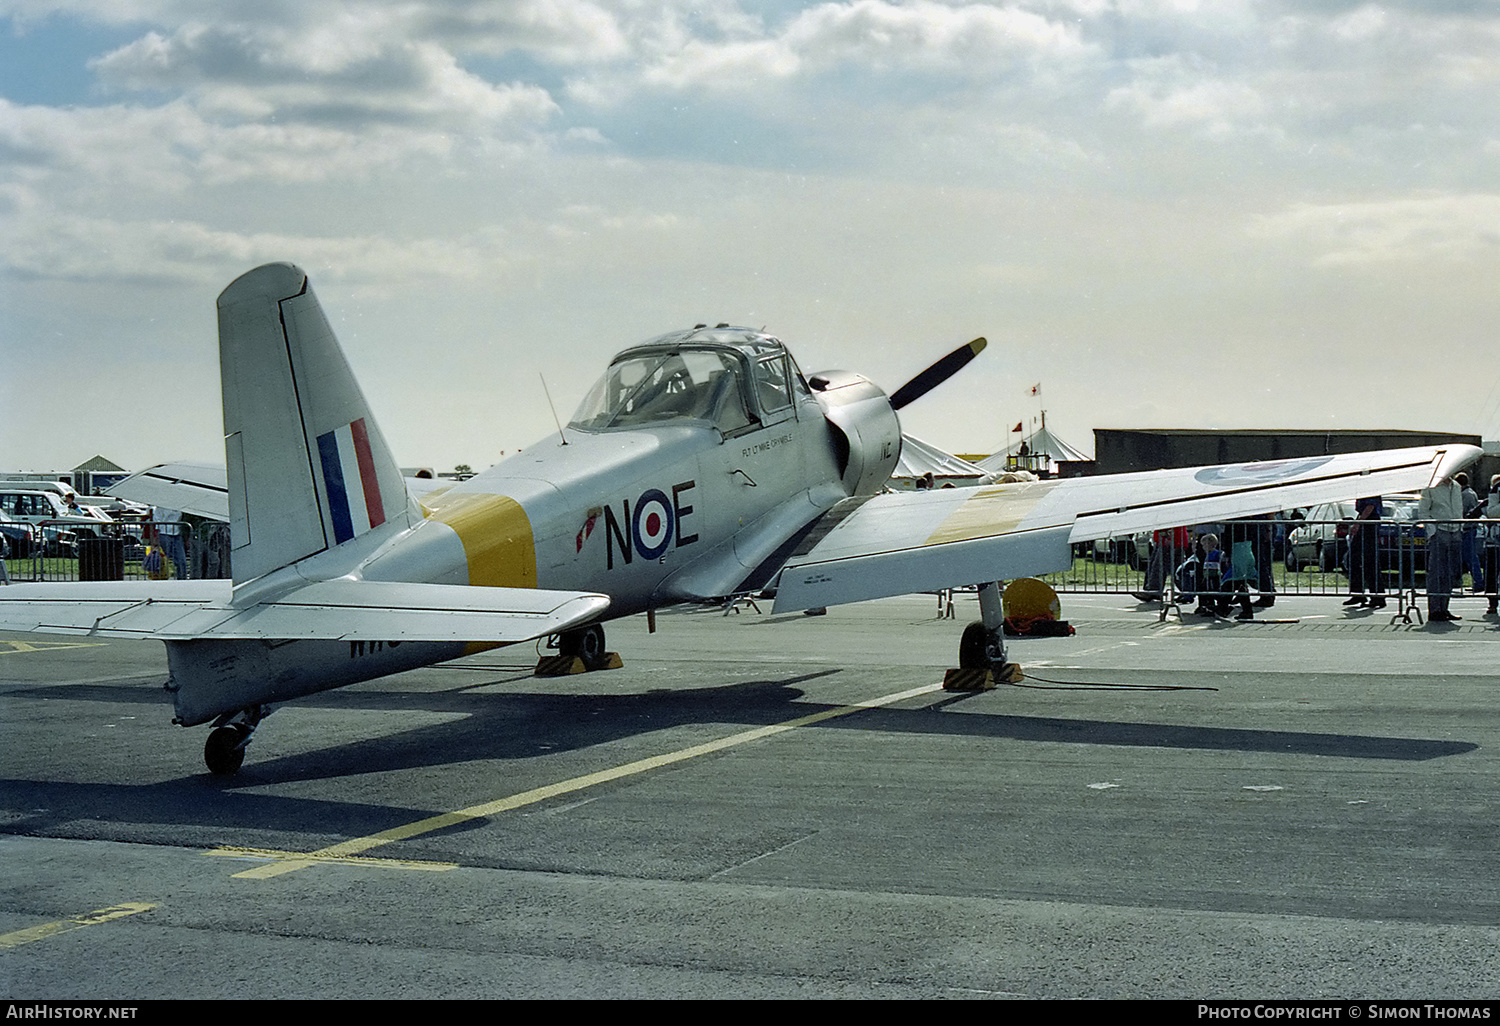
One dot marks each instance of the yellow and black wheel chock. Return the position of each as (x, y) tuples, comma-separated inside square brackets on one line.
[(965, 679), (564, 666)]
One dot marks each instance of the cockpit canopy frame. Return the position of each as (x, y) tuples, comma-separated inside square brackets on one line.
[(733, 379)]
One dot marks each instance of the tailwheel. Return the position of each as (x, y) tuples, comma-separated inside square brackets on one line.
[(224, 752)]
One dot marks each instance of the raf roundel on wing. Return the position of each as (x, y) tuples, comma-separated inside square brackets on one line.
[(1244, 474)]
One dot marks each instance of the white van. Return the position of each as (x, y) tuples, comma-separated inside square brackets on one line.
[(37, 506)]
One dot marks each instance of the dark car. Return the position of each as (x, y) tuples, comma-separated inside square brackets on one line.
[(15, 538), (1403, 542)]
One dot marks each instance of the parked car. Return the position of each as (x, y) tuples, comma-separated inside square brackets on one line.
[(39, 507), (1322, 540), (22, 541), (1116, 550), (133, 538), (58, 541), (15, 538), (1403, 544)]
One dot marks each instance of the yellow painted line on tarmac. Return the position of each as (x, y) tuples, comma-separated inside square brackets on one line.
[(94, 918), (288, 862), (46, 646), (281, 857)]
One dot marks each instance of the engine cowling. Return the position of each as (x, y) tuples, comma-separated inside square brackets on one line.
[(865, 432)]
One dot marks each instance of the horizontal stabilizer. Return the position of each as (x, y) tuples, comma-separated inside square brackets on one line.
[(341, 609), (197, 488), (202, 489)]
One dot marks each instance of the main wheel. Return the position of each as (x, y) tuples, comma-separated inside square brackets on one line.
[(974, 648), (224, 752), (587, 644)]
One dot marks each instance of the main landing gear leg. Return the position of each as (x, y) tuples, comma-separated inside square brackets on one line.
[(981, 651), (224, 752)]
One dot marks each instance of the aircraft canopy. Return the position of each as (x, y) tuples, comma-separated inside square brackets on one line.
[(731, 379)]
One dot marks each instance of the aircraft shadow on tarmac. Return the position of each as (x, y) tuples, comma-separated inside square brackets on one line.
[(518, 726)]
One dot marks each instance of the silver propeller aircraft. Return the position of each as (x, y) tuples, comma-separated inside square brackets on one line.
[(702, 465)]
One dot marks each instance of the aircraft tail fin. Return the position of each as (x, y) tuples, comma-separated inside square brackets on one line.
[(308, 469)]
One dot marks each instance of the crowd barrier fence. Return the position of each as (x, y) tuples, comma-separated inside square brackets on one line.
[(1291, 557), (67, 550)]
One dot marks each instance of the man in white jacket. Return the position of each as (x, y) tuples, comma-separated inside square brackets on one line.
[(1441, 509)]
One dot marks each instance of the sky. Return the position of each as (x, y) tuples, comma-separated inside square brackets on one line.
[(1167, 213)]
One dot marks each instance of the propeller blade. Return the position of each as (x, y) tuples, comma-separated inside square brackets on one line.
[(938, 373)]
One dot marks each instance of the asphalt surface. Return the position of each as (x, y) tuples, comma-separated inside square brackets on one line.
[(1187, 809)]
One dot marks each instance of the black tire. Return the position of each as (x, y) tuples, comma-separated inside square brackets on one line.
[(1292, 563), (224, 751), (974, 648), (587, 644)]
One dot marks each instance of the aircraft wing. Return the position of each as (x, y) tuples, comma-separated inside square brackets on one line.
[(341, 609), (895, 544), (201, 489)]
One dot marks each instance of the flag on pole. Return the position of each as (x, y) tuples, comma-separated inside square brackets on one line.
[(1036, 389), (1016, 428)]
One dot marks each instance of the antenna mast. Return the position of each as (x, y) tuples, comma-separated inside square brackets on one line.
[(548, 394)]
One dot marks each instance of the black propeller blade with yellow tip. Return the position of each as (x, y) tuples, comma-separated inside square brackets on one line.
[(938, 373)]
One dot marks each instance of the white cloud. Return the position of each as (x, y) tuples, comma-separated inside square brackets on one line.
[(163, 149), (1360, 24), (1077, 175), (351, 80), (565, 31), (60, 245), (1417, 230), (874, 35), (106, 146), (1171, 93), (45, 242)]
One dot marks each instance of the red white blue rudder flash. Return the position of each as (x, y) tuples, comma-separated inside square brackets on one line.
[(354, 501)]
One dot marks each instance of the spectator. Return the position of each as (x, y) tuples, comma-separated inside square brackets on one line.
[(1472, 509), (1211, 598), (1166, 547), (1265, 556), (1492, 545), (1442, 509), (1364, 556), (168, 524), (1242, 570)]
